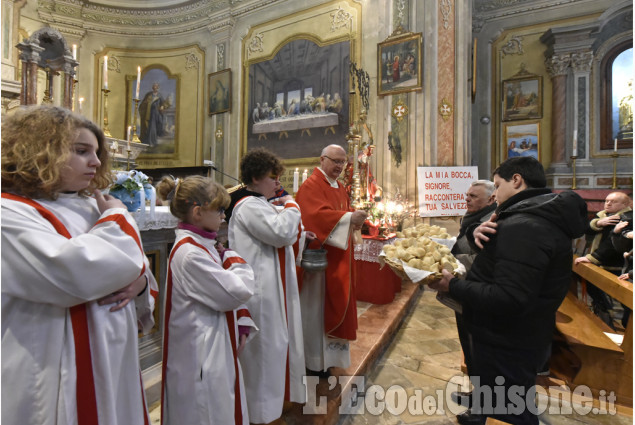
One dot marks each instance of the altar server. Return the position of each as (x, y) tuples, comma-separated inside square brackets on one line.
[(67, 356), (264, 234), (205, 326)]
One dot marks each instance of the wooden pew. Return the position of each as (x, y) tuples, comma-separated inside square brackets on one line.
[(603, 365)]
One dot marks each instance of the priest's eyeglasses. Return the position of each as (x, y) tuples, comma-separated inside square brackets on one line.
[(338, 162)]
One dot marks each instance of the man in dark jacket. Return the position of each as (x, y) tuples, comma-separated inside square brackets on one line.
[(514, 288)]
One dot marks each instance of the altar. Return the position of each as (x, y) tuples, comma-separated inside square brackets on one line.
[(374, 285)]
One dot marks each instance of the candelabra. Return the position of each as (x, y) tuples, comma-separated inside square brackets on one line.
[(106, 129), (573, 183), (135, 137), (353, 145), (615, 155)]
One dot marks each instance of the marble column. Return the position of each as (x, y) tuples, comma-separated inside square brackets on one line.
[(581, 64), (30, 57), (557, 66)]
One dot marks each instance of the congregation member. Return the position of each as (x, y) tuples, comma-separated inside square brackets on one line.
[(264, 235), (602, 252), (205, 330), (329, 309), (515, 285), (76, 288), (480, 206)]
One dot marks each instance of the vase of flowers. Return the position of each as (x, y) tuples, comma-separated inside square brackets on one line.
[(127, 188)]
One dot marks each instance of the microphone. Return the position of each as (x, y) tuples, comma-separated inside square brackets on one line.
[(212, 165)]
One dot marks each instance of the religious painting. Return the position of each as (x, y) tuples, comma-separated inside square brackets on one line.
[(399, 64), (522, 98), (219, 85), (298, 99), (522, 140), (156, 120)]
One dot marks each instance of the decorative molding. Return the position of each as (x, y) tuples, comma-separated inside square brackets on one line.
[(582, 61), (255, 44), (192, 61), (514, 46), (558, 64), (400, 7), (219, 133), (114, 64), (341, 19), (220, 56), (445, 7), (399, 110), (445, 109)]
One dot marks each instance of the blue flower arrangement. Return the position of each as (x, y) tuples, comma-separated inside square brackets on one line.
[(127, 188)]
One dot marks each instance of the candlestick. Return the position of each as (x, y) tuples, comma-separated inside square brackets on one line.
[(74, 52), (575, 142), (135, 137), (138, 82), (573, 183), (615, 155), (128, 133), (106, 129), (105, 72), (305, 175), (615, 145), (296, 176), (128, 161)]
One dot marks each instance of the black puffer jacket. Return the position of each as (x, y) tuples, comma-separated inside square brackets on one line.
[(516, 284)]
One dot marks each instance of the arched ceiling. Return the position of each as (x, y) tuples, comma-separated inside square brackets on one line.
[(140, 4)]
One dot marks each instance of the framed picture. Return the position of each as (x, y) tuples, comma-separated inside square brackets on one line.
[(157, 124), (522, 139), (296, 110), (522, 98), (219, 88), (399, 64)]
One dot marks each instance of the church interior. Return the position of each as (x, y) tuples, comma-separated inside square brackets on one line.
[(183, 87)]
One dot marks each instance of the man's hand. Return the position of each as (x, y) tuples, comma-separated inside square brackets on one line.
[(485, 230), (443, 284), (310, 236), (105, 202), (620, 226), (123, 296), (611, 220), (284, 199), (581, 260), (241, 345), (358, 218)]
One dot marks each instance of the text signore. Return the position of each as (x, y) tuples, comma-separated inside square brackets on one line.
[(442, 190)]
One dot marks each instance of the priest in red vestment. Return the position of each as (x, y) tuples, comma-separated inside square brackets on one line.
[(329, 311)]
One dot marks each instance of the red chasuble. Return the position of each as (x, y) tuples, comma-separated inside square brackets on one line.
[(322, 208)]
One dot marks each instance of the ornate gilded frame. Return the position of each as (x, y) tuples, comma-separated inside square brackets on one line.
[(404, 51)]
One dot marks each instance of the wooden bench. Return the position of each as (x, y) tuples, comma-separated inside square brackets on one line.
[(601, 363)]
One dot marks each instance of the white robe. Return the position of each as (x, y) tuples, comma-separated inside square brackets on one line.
[(199, 363), (44, 274), (263, 234)]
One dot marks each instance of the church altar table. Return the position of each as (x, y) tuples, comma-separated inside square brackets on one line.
[(372, 284), (297, 122)]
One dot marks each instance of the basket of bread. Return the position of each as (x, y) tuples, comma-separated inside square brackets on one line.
[(420, 253)]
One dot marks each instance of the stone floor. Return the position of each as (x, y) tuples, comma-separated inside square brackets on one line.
[(415, 359)]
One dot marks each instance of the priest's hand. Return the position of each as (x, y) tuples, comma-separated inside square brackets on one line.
[(310, 236), (443, 284), (284, 199), (358, 218), (105, 202), (484, 231), (123, 296)]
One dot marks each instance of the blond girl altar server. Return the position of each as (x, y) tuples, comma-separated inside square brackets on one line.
[(264, 235), (68, 357), (205, 326)]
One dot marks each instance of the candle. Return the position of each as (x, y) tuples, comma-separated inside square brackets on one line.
[(211, 153), (615, 145), (75, 52), (128, 135), (296, 177), (304, 175), (105, 72), (138, 82), (81, 100), (575, 142)]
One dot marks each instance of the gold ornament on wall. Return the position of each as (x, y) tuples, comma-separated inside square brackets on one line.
[(445, 109), (399, 110), (219, 133)]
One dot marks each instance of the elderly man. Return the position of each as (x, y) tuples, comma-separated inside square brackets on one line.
[(480, 206), (602, 252), (327, 299)]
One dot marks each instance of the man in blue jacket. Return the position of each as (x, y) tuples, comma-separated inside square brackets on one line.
[(514, 288)]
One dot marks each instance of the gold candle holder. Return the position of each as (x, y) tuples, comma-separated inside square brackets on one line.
[(106, 129), (573, 183), (128, 150), (135, 137), (615, 155)]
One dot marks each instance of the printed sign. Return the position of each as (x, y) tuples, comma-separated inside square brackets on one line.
[(442, 190)]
